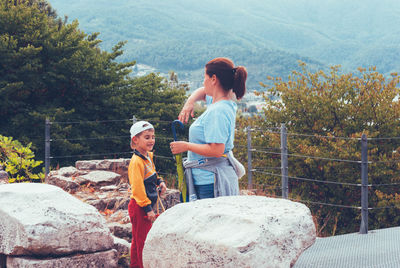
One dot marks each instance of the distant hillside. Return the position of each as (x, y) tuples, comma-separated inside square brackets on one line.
[(268, 37)]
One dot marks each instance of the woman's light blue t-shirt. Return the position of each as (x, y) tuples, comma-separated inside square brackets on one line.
[(215, 125)]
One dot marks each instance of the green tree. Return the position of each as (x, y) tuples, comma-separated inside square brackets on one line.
[(326, 114), (51, 69)]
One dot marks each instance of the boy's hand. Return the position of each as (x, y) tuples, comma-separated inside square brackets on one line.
[(151, 216), (163, 188)]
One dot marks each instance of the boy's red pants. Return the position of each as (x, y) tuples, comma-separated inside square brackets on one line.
[(140, 228)]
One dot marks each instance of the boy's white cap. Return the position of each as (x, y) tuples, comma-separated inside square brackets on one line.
[(139, 127)]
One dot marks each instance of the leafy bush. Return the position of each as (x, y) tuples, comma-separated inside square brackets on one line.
[(17, 160), (326, 114)]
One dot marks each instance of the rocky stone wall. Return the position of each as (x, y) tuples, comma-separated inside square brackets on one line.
[(102, 184)]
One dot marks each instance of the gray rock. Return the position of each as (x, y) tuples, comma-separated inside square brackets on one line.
[(3, 177), (66, 183), (120, 216), (114, 203), (99, 178), (67, 171), (119, 230), (86, 164), (115, 165), (172, 197), (105, 259), (109, 188), (123, 248), (40, 219), (232, 231)]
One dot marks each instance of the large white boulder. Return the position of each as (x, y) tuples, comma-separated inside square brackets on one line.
[(235, 231), (40, 219)]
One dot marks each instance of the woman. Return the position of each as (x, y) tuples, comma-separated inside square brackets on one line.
[(211, 135)]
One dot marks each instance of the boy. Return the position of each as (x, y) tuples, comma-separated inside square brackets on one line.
[(144, 181)]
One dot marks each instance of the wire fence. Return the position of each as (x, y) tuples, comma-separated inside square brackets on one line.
[(258, 163)]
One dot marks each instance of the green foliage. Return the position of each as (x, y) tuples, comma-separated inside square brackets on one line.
[(51, 69), (324, 106), (18, 161)]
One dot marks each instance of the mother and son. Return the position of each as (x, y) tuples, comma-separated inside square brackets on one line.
[(210, 169)]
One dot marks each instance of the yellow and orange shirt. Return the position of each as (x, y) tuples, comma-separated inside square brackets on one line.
[(143, 180)]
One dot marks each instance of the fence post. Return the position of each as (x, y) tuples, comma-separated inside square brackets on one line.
[(47, 148), (284, 162), (364, 185), (249, 166)]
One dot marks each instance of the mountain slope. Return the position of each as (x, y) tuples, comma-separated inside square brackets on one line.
[(268, 37)]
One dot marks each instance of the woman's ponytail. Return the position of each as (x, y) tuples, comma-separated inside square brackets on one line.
[(239, 81)]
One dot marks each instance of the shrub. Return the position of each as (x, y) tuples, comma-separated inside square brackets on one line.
[(18, 161)]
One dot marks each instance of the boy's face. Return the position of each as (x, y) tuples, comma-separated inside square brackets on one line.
[(144, 142)]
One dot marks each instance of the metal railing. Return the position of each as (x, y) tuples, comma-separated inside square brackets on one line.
[(284, 166)]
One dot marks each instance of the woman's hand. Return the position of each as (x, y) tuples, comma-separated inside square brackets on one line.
[(178, 147), (186, 112), (188, 109)]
